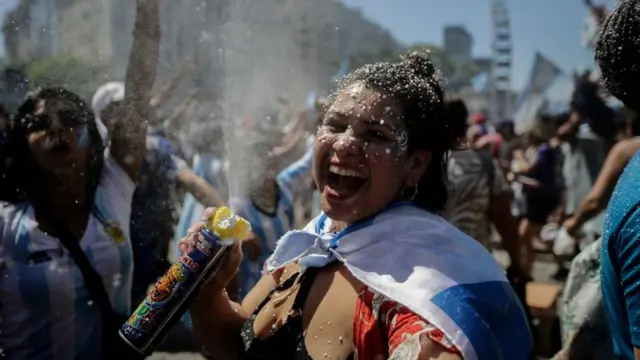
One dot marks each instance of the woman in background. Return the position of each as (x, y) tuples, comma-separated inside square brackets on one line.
[(541, 198), (479, 194), (66, 179)]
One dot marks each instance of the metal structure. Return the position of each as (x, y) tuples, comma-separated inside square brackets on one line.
[(501, 98)]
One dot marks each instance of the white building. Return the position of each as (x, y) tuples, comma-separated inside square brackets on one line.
[(458, 43)]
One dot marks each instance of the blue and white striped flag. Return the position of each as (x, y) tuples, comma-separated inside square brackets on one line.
[(421, 261)]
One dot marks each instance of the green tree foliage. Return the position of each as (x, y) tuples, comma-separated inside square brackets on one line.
[(65, 71)]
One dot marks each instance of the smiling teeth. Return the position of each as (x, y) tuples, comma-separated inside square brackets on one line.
[(344, 172)]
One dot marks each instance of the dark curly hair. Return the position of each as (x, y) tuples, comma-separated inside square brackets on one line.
[(417, 86), (23, 187), (457, 115), (617, 51)]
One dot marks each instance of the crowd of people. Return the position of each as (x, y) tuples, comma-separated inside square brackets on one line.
[(400, 194)]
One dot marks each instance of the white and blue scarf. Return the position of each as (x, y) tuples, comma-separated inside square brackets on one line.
[(421, 261)]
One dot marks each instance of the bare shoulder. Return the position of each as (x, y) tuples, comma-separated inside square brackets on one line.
[(347, 275), (625, 149)]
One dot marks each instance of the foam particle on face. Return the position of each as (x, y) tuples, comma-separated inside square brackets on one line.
[(355, 89)]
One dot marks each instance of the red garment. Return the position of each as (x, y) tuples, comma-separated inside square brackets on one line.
[(383, 327), (479, 118), (492, 142)]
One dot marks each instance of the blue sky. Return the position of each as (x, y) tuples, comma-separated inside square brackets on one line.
[(550, 26)]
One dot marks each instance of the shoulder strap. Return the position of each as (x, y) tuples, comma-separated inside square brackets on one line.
[(308, 276), (92, 280)]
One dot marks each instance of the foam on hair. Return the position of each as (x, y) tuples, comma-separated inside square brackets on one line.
[(617, 51), (416, 84)]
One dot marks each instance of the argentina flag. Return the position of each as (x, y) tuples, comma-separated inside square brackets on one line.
[(421, 261)]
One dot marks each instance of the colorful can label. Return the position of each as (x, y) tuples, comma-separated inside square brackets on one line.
[(143, 329)]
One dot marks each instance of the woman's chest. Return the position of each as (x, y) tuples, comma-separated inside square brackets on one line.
[(324, 316)]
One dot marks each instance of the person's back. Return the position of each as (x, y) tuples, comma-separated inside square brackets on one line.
[(473, 177), (620, 260), (471, 187)]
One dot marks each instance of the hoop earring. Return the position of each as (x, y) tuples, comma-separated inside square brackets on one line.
[(414, 193)]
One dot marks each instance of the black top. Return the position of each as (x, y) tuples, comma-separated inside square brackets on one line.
[(287, 342)]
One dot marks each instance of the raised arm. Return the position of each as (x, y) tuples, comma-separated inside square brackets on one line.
[(168, 91), (184, 110), (128, 138), (291, 139), (600, 193), (199, 188)]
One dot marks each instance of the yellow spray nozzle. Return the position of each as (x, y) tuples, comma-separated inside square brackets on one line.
[(229, 226)]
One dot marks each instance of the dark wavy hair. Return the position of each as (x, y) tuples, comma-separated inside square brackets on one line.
[(23, 186), (617, 51), (417, 86), (457, 115)]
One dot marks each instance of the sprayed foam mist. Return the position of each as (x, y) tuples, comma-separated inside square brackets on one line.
[(260, 61)]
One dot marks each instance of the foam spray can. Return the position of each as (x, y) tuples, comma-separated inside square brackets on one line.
[(170, 297)]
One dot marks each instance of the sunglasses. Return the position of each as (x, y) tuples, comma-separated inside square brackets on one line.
[(68, 118)]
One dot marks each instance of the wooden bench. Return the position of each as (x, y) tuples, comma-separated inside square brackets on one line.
[(542, 299)]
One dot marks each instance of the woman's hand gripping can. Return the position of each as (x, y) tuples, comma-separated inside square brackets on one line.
[(170, 297)]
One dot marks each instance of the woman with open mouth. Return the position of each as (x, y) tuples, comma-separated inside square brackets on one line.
[(378, 275), (64, 244)]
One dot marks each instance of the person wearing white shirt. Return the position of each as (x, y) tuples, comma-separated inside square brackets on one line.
[(69, 189)]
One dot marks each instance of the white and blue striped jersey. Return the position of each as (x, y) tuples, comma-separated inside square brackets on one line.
[(45, 308), (270, 228), (211, 169)]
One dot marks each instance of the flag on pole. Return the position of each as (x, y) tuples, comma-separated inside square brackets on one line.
[(543, 74)]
